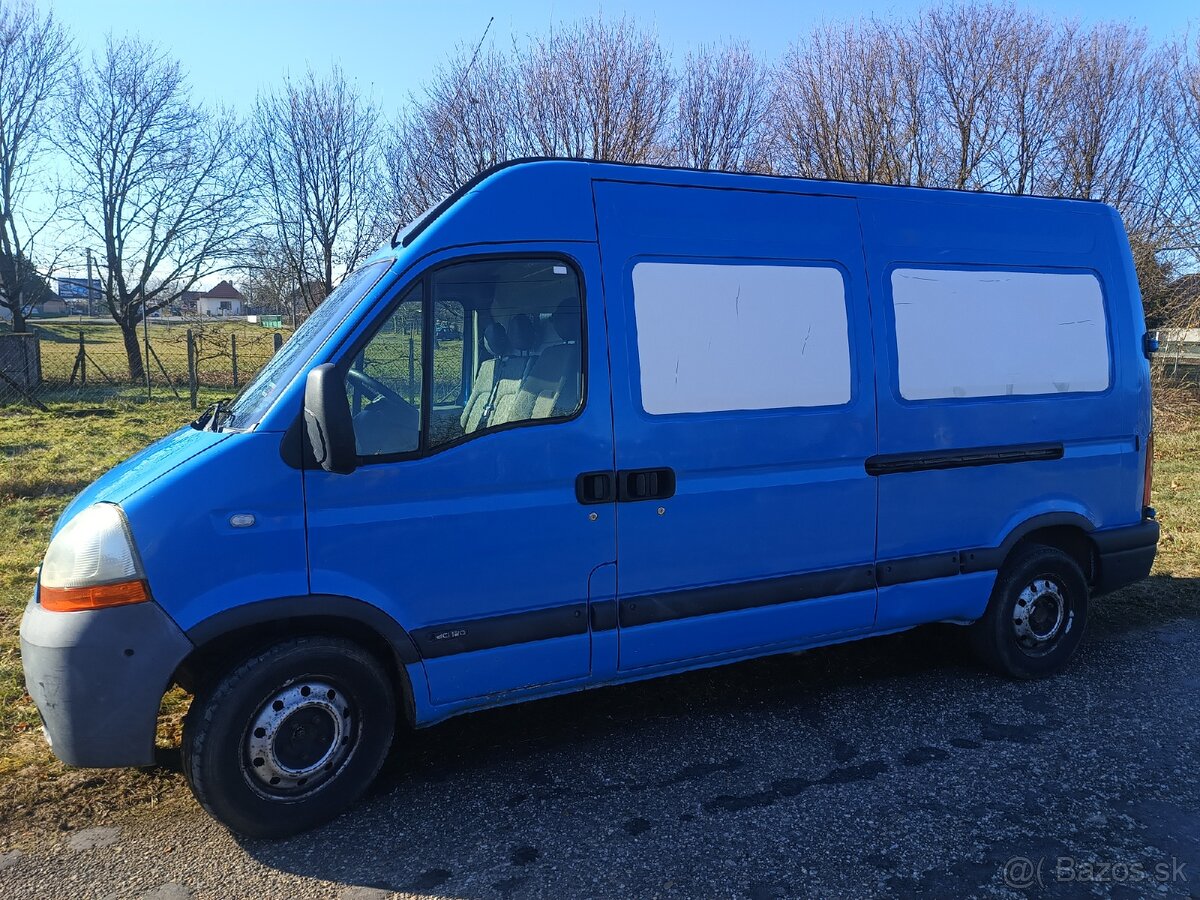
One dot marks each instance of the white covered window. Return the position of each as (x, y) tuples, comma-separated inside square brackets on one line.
[(977, 333), (717, 336)]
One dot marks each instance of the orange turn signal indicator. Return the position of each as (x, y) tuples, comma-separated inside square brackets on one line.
[(98, 597)]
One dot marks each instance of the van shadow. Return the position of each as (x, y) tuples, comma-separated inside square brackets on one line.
[(630, 788)]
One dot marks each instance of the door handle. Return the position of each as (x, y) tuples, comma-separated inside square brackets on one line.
[(645, 484), (594, 487)]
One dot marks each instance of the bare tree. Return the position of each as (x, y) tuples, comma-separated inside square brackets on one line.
[(1032, 101), (1184, 137), (595, 90), (270, 284), (35, 58), (1181, 305), (463, 122), (723, 99), (160, 182), (840, 109), (970, 50), (317, 161), (1111, 144)]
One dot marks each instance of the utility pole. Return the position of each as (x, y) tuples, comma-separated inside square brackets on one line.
[(89, 302), (146, 340)]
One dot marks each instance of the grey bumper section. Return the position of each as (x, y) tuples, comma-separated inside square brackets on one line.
[(1125, 555), (98, 677)]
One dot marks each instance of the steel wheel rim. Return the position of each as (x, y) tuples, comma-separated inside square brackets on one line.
[(1042, 614), (299, 739)]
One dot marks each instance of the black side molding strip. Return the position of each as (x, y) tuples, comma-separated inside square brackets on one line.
[(896, 463), (917, 568), (501, 631), (706, 601)]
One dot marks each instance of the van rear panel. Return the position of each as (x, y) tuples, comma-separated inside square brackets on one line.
[(1007, 381)]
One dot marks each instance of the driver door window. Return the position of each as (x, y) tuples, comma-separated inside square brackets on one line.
[(384, 383), (505, 341)]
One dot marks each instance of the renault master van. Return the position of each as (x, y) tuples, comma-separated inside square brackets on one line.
[(587, 423)]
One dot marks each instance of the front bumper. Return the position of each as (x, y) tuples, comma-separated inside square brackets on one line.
[(1125, 555), (98, 678)]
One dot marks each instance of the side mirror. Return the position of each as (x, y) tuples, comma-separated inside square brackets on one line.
[(327, 422)]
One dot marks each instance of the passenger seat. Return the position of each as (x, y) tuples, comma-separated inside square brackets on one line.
[(499, 378), (483, 389), (522, 335), (552, 387)]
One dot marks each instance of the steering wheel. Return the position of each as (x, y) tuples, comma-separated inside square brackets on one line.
[(388, 423), (376, 389)]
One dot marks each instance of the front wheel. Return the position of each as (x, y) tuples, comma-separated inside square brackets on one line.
[(1036, 616), (290, 737)]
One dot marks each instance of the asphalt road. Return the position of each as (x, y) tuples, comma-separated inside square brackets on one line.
[(891, 767)]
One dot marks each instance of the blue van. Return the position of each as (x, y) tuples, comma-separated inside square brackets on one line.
[(588, 423)]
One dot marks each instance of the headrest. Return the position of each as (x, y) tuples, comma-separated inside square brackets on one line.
[(566, 319), (495, 340), (521, 332)]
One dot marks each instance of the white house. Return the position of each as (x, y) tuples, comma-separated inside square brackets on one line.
[(223, 300)]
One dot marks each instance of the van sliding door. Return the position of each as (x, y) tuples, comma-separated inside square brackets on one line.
[(744, 411), (1000, 399)]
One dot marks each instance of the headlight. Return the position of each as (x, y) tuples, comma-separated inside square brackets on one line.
[(92, 563)]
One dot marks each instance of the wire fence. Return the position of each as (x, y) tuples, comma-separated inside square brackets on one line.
[(89, 360)]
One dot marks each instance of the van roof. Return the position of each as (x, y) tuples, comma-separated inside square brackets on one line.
[(682, 175)]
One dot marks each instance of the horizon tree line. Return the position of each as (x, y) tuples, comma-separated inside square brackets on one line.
[(112, 149)]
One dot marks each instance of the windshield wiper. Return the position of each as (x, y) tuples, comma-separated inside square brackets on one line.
[(210, 419)]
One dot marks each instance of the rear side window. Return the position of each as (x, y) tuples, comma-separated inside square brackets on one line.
[(714, 337), (979, 333)]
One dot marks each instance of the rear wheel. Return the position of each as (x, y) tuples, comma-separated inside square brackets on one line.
[(1036, 616), (290, 737)]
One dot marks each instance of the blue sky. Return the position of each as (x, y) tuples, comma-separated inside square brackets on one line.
[(232, 48)]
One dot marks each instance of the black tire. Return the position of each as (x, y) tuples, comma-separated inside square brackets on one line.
[(312, 703), (1021, 634)]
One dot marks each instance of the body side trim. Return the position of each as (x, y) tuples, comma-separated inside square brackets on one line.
[(502, 631), (927, 461), (705, 601)]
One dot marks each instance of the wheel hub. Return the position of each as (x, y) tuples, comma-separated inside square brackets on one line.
[(299, 738), (1039, 614)]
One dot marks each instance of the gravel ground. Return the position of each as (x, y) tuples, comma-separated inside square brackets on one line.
[(890, 767)]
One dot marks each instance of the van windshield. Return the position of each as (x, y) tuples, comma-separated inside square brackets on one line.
[(252, 403)]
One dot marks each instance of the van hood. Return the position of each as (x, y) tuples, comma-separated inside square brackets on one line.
[(142, 468)]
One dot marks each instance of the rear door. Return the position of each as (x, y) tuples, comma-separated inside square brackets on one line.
[(743, 414)]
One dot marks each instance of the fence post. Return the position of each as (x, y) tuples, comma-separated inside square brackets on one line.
[(411, 350), (233, 353), (82, 361), (278, 341), (191, 354)]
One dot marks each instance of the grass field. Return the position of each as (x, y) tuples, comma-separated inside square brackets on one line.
[(46, 458)]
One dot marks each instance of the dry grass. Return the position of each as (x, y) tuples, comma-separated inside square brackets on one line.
[(1177, 481)]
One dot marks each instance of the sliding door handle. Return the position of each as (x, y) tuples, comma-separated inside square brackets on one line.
[(645, 484)]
